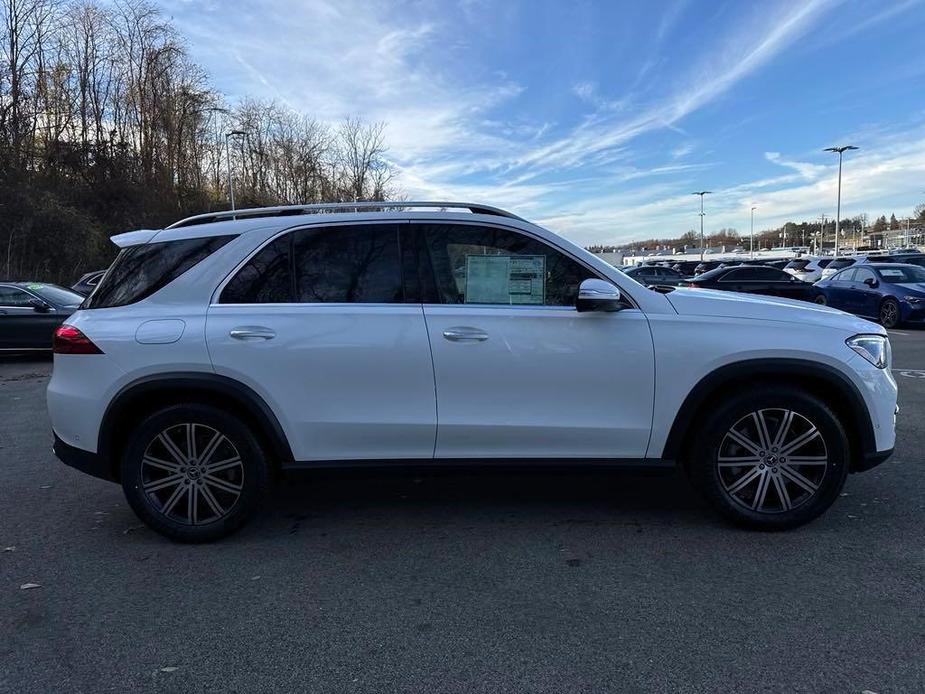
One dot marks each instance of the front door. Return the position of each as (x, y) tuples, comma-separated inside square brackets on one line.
[(519, 372), (319, 324)]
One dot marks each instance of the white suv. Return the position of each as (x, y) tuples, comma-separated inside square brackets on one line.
[(227, 349)]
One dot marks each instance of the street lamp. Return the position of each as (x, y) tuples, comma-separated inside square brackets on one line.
[(701, 194), (751, 245), (233, 133), (840, 150)]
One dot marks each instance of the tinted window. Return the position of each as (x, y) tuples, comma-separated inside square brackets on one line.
[(139, 271), (487, 265), (11, 296), (338, 264), (348, 264), (797, 264), (265, 279), (824, 262), (755, 274), (57, 295), (840, 263)]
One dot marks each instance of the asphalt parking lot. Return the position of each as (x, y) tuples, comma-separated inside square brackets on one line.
[(443, 581)]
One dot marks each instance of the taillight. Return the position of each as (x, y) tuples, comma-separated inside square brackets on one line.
[(69, 340)]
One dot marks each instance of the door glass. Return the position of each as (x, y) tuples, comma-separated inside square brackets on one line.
[(265, 279), (348, 264), (862, 274), (11, 296), (488, 265)]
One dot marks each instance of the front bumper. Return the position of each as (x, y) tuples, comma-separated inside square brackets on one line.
[(85, 461)]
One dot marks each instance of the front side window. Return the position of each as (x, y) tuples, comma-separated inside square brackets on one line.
[(488, 265), (339, 264), (139, 271)]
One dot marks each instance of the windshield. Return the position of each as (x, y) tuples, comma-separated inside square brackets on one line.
[(903, 275), (54, 294)]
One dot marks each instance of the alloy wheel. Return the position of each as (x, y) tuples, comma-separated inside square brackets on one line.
[(889, 312), (192, 474), (772, 460)]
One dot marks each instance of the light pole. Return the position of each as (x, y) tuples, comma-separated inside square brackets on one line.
[(840, 150), (751, 244), (233, 133), (701, 194), (821, 243)]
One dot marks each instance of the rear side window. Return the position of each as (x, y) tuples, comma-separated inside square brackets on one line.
[(341, 264), (139, 271), (797, 264)]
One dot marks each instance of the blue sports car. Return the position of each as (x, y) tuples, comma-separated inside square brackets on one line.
[(892, 293)]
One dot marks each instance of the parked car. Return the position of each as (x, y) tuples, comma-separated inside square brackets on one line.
[(30, 312), (807, 269), (706, 266), (755, 279), (686, 267), (892, 293), (838, 264), (654, 274), (234, 346), (87, 283)]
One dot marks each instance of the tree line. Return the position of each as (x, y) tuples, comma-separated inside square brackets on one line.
[(854, 229), (107, 124)]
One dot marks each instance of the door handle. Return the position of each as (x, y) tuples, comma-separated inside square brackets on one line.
[(252, 332), (465, 334)]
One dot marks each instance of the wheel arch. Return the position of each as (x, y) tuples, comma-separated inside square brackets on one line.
[(150, 393), (822, 380)]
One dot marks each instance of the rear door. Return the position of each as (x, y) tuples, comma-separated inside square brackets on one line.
[(839, 289), (865, 300), (319, 323), (520, 373)]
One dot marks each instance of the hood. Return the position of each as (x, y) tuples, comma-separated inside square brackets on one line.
[(713, 302), (917, 287)]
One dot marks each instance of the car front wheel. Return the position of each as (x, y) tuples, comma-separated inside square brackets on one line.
[(193, 472), (771, 459), (889, 313)]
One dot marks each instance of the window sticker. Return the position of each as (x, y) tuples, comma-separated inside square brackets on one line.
[(890, 272), (505, 279)]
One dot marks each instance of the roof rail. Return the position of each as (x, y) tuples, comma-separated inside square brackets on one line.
[(322, 207)]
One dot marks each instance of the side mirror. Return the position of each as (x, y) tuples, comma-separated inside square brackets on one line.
[(39, 306), (598, 295), (871, 282)]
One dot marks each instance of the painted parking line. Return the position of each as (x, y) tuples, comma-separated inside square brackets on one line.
[(911, 373)]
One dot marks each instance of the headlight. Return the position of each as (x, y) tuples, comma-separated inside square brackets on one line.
[(874, 348), (914, 299)]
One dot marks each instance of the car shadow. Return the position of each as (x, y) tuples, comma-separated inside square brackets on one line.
[(325, 500)]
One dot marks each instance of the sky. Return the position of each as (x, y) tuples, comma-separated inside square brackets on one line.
[(598, 119)]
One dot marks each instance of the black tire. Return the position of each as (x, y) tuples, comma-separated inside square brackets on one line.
[(889, 313), (715, 471), (821, 300), (209, 496)]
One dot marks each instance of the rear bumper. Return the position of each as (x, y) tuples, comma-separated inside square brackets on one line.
[(85, 461)]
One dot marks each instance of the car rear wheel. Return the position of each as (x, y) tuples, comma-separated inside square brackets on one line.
[(772, 459), (193, 472), (889, 313), (821, 300)]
